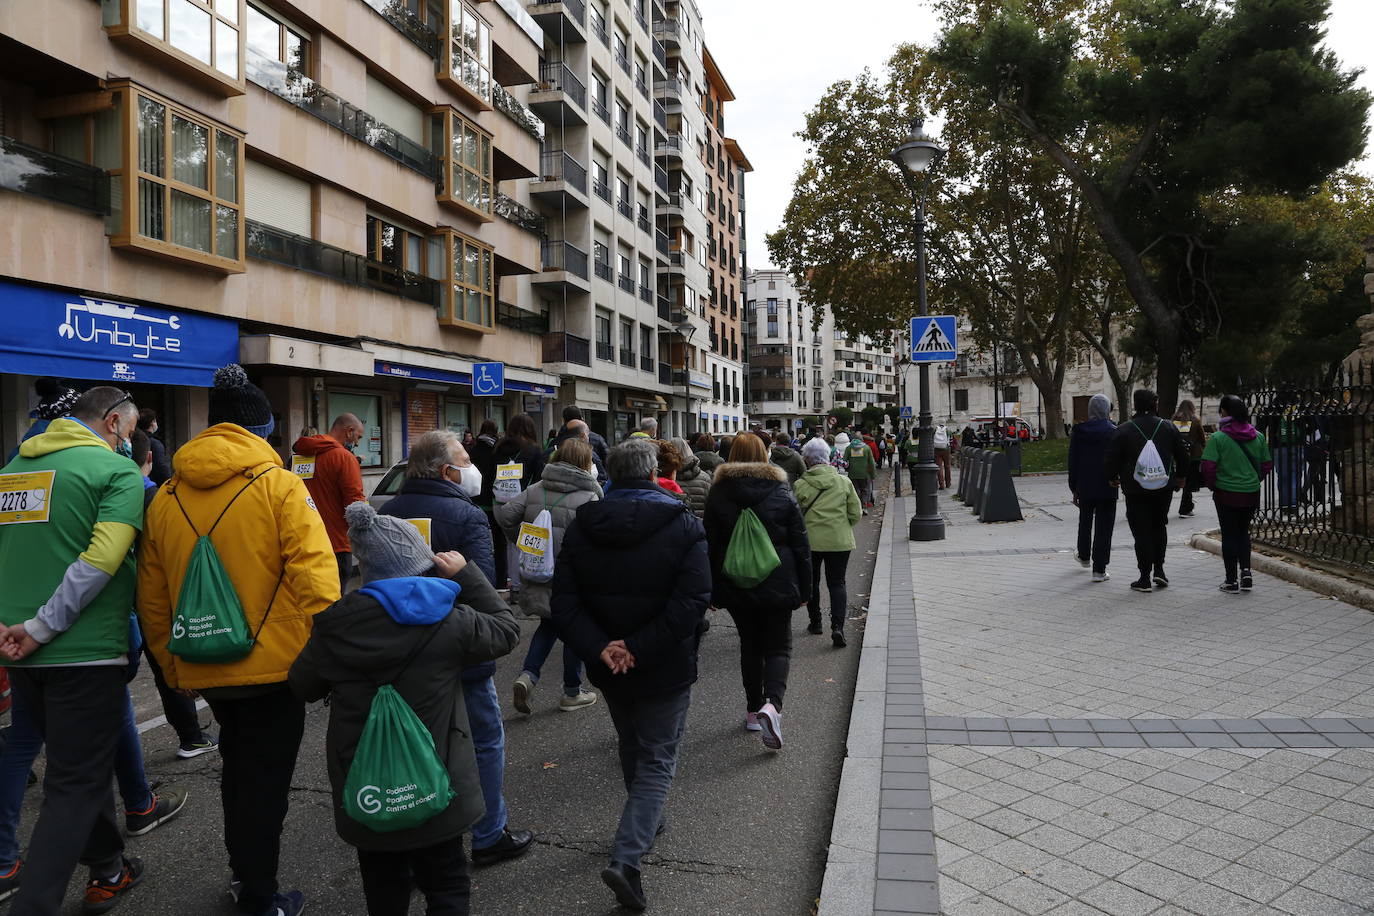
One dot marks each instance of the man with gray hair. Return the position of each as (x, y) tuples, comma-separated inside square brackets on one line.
[(580, 429), (648, 429), (630, 589)]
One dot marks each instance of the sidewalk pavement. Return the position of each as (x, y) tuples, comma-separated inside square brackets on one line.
[(1025, 741)]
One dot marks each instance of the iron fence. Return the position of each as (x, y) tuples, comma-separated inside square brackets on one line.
[(1319, 500)]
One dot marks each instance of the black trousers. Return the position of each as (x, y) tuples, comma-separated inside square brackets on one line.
[(765, 654), (834, 563), (1095, 520), (259, 738), (1148, 515), (345, 561), (180, 710), (1235, 538), (498, 549), (439, 871), (80, 713)]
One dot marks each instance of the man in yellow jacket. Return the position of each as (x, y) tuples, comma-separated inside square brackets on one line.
[(274, 548)]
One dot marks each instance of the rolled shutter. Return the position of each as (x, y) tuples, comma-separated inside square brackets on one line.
[(280, 200), (394, 111)]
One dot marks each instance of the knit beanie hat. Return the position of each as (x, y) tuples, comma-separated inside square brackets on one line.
[(815, 451), (841, 440), (54, 399), (386, 547), (234, 399)]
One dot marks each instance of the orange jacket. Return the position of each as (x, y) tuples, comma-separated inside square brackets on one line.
[(271, 542), (337, 483)]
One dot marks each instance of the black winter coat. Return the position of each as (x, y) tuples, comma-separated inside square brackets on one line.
[(633, 566), (1126, 446), (483, 455), (763, 488), (355, 645), (1087, 459)]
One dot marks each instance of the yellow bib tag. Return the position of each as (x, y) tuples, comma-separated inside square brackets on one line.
[(25, 497), (422, 525), (302, 466), (533, 539), (510, 471)]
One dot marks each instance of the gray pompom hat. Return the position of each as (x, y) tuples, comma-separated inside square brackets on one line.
[(386, 547)]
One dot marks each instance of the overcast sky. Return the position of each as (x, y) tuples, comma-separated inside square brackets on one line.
[(780, 55)]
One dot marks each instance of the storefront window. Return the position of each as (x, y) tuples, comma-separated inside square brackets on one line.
[(457, 417), (497, 412), (368, 408)]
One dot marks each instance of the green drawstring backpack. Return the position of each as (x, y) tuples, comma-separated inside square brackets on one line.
[(750, 556)]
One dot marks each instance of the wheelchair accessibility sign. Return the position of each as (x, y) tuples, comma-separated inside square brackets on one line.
[(489, 380)]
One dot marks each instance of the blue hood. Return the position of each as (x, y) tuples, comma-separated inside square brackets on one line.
[(414, 600)]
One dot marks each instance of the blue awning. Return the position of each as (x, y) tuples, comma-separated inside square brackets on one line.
[(80, 336), (445, 376)]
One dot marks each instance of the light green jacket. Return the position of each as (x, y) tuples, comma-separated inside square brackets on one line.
[(830, 508)]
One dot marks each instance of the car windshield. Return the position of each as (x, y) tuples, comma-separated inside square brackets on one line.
[(391, 483)]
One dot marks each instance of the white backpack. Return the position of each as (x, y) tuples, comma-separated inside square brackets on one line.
[(1150, 471), (535, 543), (506, 486), (941, 437)]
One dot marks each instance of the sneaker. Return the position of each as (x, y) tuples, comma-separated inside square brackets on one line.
[(235, 888), (814, 628), (770, 721), (1101, 576), (1142, 585), (583, 698), (103, 896), (291, 903), (624, 881), (1185, 515), (1083, 561), (751, 723), (196, 748), (9, 880), (1161, 580), (1230, 588), (837, 638), (524, 686), (165, 806), (1247, 581)]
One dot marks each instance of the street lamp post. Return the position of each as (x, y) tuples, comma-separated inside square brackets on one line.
[(686, 329), (915, 158)]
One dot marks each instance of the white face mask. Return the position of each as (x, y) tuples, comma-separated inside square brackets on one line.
[(469, 479)]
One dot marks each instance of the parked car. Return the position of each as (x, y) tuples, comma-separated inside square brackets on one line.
[(388, 486)]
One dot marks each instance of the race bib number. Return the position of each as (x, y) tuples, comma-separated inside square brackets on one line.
[(533, 539), (302, 466), (25, 497), (1183, 426), (510, 471), (423, 525)]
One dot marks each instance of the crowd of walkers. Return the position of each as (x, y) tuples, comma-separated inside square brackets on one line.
[(1145, 460), (260, 587)]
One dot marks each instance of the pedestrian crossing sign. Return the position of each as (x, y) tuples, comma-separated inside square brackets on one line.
[(934, 339)]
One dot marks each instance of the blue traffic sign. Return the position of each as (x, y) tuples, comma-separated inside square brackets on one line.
[(934, 339), (489, 380), (907, 413)]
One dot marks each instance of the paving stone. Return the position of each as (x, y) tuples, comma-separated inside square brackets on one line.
[(1249, 882), (979, 872), (1028, 896), (1101, 859), (1207, 899), (1302, 901), (906, 867), (1117, 899), (906, 896), (1156, 880)]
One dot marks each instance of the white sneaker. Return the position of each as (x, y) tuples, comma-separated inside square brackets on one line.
[(751, 722), (1102, 576), (583, 698), (770, 722)]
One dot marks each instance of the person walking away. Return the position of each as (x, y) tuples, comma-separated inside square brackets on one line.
[(723, 450), (694, 480), (648, 429), (1094, 496), (630, 591), (1189, 425), (519, 463), (483, 454), (858, 458), (68, 567), (1146, 458), (162, 468), (566, 485), (831, 509), (911, 456), (1234, 465), (706, 453), (335, 481), (942, 462), (762, 608), (669, 461), (577, 428), (784, 456), (417, 621), (229, 486), (436, 495)]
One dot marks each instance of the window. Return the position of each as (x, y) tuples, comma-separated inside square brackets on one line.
[(772, 308), (1011, 394), (600, 98), (627, 342), (368, 408), (961, 399), (772, 326), (466, 64), (392, 249), (464, 150), (469, 282), (277, 41), (646, 342), (201, 35), (603, 336)]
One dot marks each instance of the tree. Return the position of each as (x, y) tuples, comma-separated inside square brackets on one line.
[(1150, 108), (844, 417), (894, 413), (872, 416)]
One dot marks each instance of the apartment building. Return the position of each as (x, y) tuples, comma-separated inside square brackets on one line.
[(335, 193)]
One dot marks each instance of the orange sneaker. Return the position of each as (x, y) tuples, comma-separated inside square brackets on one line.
[(103, 896), (9, 880)]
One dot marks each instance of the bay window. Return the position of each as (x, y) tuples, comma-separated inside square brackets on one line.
[(201, 38), (469, 296), (464, 151), (465, 53)]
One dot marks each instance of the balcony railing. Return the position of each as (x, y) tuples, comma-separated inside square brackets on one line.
[(602, 270), (604, 350), (660, 114), (668, 89), (665, 374), (627, 357), (666, 28), (556, 77), (661, 241), (601, 189), (557, 254), (30, 170), (643, 223), (559, 165), (311, 97), (661, 178), (646, 364), (669, 144), (665, 308), (639, 16), (625, 208), (601, 111), (521, 320), (562, 347), (622, 60), (266, 243), (622, 133), (642, 152), (643, 86), (524, 119), (408, 24), (576, 8), (660, 53), (646, 294), (677, 259), (599, 30), (512, 211), (626, 282)]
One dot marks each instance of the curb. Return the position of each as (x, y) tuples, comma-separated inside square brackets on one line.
[(1313, 580), (851, 864)]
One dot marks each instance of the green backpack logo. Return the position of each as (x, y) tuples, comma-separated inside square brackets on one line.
[(209, 626), (396, 780), (750, 556)]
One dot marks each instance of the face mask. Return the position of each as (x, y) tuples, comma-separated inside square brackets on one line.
[(351, 446), (470, 479), (125, 448)]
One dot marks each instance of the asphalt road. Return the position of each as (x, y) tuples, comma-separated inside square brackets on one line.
[(747, 833)]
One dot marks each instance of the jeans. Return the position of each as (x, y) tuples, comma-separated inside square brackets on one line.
[(1148, 515), (1235, 538), (345, 561), (1095, 520), (649, 732), (541, 644), (259, 738), (180, 710), (864, 490), (765, 654), (79, 711), (834, 563), (439, 871), (489, 743)]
